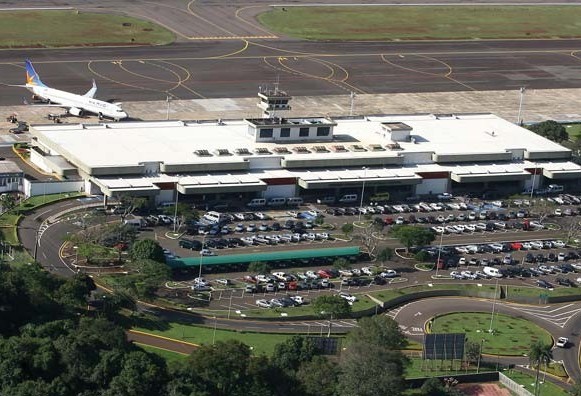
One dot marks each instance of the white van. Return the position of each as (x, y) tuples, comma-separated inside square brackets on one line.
[(215, 217), (326, 200), (256, 203), (137, 222), (276, 201), (348, 198), (554, 188), (491, 271), (294, 201)]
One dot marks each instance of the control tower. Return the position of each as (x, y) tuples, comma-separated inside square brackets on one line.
[(272, 101)]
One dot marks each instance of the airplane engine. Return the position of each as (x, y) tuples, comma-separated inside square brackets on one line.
[(76, 111)]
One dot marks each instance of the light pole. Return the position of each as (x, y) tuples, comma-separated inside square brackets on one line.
[(439, 253), (201, 260), (167, 99), (493, 306), (330, 324), (533, 183), (175, 213), (76, 249), (479, 356), (214, 335), (520, 105), (362, 193)]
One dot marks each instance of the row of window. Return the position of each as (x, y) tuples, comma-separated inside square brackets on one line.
[(286, 132), (4, 181)]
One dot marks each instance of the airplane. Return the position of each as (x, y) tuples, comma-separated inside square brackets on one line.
[(76, 105)]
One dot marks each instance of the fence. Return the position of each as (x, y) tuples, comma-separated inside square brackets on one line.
[(513, 386)]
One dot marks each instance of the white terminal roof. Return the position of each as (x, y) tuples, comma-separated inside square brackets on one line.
[(175, 142)]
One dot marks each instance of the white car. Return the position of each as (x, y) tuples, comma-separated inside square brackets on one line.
[(526, 246), (472, 249), (441, 219), (207, 252), (388, 274), (469, 274), (562, 342), (347, 297), (536, 245), (263, 303), (472, 216), (311, 275), (536, 224), (481, 226), (345, 272), (292, 213), (577, 266), (558, 212), (461, 217), (322, 235), (239, 228), (239, 216), (451, 230), (400, 220), (356, 271), (224, 282), (459, 227), (470, 228), (496, 247), (500, 225), (439, 229), (260, 215), (481, 275), (299, 300), (558, 244), (462, 261), (367, 271), (456, 275), (445, 196)]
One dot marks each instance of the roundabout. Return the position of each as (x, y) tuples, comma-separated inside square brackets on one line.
[(499, 334)]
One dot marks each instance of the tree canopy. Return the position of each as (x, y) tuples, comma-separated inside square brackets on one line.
[(410, 235), (331, 306), (550, 129), (147, 249)]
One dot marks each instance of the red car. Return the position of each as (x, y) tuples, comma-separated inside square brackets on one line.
[(516, 246), (324, 274), (388, 220)]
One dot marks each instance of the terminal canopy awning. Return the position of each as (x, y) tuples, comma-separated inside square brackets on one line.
[(356, 177), (220, 184), (488, 173), (562, 170), (133, 186)]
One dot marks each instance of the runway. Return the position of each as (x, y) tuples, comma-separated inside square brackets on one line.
[(217, 69)]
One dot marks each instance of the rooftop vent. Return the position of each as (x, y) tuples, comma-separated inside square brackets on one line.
[(202, 153), (375, 147), (301, 150), (339, 149), (281, 150), (357, 148), (393, 146), (262, 150), (242, 151), (222, 152), (320, 149)]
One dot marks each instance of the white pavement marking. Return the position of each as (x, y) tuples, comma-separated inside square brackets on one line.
[(558, 316)]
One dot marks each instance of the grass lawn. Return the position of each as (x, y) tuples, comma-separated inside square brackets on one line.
[(168, 356), (511, 336), (528, 381), (420, 23), (38, 200), (574, 131), (69, 28), (261, 343)]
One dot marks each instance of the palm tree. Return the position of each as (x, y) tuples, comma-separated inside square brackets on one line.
[(539, 353)]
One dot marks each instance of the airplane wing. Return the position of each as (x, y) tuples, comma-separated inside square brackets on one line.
[(91, 92)]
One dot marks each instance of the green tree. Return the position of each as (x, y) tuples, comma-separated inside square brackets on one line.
[(151, 275), (147, 249), (413, 235), (7, 201), (341, 263), (290, 354), (141, 374), (223, 366), (422, 256), (331, 306), (380, 331), (368, 370), (259, 267), (433, 387), (318, 377), (472, 351), (550, 129), (385, 254), (539, 354), (347, 229)]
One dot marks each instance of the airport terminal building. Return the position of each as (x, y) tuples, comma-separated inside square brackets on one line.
[(403, 155)]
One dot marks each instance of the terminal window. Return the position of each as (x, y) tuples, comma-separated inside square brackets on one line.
[(284, 132), (323, 131), (266, 133), (304, 132)]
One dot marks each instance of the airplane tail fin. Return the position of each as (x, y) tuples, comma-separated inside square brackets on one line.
[(32, 77)]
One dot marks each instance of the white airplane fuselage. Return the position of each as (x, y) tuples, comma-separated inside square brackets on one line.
[(78, 104)]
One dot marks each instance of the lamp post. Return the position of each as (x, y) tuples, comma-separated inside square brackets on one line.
[(167, 99), (362, 193), (214, 335), (439, 253), (201, 259), (175, 213), (493, 306), (520, 105), (76, 249), (479, 356), (533, 183)]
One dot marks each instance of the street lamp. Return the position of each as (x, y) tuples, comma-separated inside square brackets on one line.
[(76, 249), (214, 335), (362, 193), (520, 105), (167, 99), (479, 356), (201, 259), (439, 253), (533, 183), (493, 306)]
